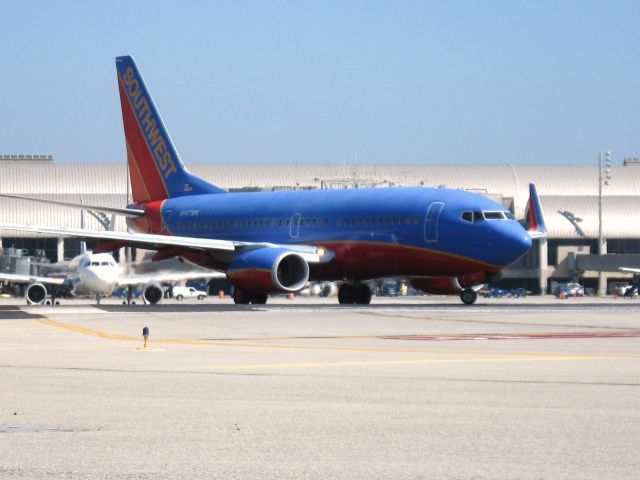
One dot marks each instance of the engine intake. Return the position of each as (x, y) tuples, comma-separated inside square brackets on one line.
[(35, 294), (153, 294), (269, 270)]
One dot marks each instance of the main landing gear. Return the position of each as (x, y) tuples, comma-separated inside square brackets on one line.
[(129, 300), (358, 293), (242, 297), (468, 296)]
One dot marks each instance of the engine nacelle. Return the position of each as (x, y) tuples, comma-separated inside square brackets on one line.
[(153, 294), (269, 270), (453, 285), (35, 294)]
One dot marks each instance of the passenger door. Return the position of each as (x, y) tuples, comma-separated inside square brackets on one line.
[(431, 220), (294, 227)]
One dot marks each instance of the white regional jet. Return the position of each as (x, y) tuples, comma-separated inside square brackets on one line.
[(98, 274)]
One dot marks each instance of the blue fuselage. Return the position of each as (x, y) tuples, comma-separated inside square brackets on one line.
[(373, 232)]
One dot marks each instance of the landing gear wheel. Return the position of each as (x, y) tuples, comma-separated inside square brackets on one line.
[(362, 294), (259, 298), (241, 298), (468, 296), (346, 294)]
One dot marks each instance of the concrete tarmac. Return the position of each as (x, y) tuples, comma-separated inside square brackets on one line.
[(407, 388)]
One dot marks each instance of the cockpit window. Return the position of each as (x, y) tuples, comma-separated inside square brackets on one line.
[(105, 264), (95, 264), (510, 215), (468, 216), (494, 215)]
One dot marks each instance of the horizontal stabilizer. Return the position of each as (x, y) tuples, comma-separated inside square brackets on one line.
[(125, 212), (143, 240)]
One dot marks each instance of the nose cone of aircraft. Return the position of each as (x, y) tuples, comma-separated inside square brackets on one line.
[(511, 242), (101, 279), (522, 243)]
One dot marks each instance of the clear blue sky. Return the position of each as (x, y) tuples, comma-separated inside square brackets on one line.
[(527, 82)]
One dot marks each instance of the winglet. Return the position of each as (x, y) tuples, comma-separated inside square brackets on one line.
[(534, 218)]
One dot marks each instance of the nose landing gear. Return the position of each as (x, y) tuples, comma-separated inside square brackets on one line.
[(468, 296)]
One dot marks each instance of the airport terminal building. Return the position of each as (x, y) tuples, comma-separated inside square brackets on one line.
[(569, 196)]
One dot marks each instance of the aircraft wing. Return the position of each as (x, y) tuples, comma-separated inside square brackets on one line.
[(16, 278), (156, 242), (630, 270), (126, 212), (167, 276), (143, 240)]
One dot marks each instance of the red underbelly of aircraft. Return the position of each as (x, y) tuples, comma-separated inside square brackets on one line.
[(375, 260), (372, 260)]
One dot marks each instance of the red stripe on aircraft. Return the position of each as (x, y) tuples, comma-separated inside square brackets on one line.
[(533, 222), (139, 189), (373, 259), (142, 156), (153, 215), (252, 279)]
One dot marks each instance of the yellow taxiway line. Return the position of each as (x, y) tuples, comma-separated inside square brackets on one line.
[(428, 361), (517, 356)]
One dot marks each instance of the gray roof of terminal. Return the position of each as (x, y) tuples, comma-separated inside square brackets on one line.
[(570, 188)]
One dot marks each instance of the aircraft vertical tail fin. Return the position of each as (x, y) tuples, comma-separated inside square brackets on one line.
[(155, 169), (534, 218)]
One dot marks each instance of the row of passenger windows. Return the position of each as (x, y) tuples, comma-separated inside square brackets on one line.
[(365, 221), (479, 216), (251, 222), (206, 225)]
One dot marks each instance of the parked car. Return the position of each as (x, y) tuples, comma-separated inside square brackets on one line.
[(500, 292), (627, 290), (518, 292), (390, 289), (570, 289), (180, 293), (494, 293)]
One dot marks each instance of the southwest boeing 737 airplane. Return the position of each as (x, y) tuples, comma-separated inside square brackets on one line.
[(445, 241)]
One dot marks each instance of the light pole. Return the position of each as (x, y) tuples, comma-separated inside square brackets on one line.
[(604, 175)]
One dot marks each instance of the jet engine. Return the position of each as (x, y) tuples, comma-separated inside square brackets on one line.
[(153, 293), (35, 294), (269, 269), (453, 285)]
